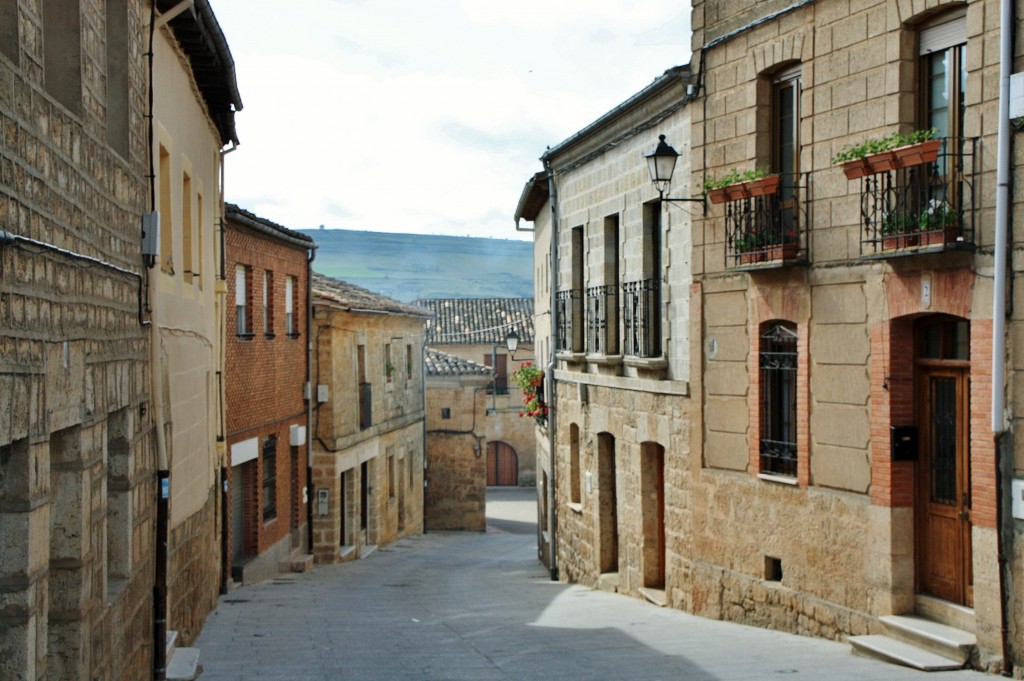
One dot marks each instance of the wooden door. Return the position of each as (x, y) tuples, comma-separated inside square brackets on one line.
[(943, 495), (502, 465)]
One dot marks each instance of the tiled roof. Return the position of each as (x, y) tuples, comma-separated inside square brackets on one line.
[(343, 295), (442, 364), (478, 320), (253, 221)]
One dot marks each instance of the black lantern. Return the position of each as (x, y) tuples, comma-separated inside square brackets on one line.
[(661, 163)]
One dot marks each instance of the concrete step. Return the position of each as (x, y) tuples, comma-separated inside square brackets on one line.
[(951, 643), (608, 581), (656, 596), (297, 563), (898, 652), (183, 665), (172, 642)]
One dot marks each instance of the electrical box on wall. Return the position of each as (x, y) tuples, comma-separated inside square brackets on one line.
[(321, 393), (1017, 492), (151, 233), (1016, 95), (903, 443), (321, 501)]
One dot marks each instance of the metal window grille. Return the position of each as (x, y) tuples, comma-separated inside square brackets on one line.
[(270, 478), (570, 319), (778, 362), (602, 322), (641, 319)]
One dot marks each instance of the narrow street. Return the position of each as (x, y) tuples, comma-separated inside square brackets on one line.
[(481, 607)]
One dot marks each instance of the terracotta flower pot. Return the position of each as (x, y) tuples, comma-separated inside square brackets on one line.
[(918, 154), (894, 242), (764, 186), (783, 251), (716, 195), (946, 235), (856, 168)]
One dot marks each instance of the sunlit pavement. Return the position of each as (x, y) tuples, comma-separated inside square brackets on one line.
[(478, 606)]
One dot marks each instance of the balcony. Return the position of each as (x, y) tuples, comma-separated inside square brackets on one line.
[(923, 208), (603, 320), (641, 318), (769, 231), (569, 312)]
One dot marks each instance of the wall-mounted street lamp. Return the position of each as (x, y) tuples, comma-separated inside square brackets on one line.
[(661, 163), (512, 344)]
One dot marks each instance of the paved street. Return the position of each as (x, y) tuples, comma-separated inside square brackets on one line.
[(480, 607)]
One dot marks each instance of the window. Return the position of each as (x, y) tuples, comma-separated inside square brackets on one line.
[(243, 325), (641, 309), (446, 412), (574, 464), (943, 77), (62, 52), (786, 143), (603, 300), (389, 368), (778, 373), (118, 62), (570, 300), (270, 478), (268, 303), (166, 227), (291, 327), (391, 476), (197, 266), (186, 228), (408, 362)]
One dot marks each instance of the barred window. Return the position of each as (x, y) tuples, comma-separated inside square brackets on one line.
[(270, 478), (778, 366)]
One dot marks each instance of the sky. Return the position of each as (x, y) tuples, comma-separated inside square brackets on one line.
[(425, 116)]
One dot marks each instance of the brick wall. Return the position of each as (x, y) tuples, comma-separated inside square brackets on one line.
[(265, 376)]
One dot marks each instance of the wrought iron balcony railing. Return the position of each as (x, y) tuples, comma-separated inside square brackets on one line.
[(603, 319), (929, 206), (570, 320), (769, 230), (641, 318)]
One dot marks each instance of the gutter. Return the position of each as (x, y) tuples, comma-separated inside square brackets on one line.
[(550, 372), (1004, 444), (310, 492)]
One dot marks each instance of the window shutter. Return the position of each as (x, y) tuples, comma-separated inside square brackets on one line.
[(950, 32), (239, 285)]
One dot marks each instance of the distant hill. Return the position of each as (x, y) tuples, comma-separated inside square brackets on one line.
[(410, 266)]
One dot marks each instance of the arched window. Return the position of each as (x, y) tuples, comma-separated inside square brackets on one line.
[(778, 367)]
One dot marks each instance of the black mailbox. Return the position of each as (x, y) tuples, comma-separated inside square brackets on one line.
[(903, 443)]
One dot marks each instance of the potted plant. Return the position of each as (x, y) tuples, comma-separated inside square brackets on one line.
[(784, 247), (898, 230), (896, 150), (939, 223), (736, 185), (530, 379), (749, 247)]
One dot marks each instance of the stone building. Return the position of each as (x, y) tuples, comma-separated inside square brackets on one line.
[(475, 329), (622, 346), (267, 417), (456, 466), (368, 420), (94, 327), (837, 460), (847, 383)]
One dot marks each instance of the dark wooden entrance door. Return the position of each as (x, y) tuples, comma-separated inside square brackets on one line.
[(943, 493), (502, 465)]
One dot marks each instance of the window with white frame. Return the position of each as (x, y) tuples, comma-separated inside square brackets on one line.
[(242, 322), (289, 307)]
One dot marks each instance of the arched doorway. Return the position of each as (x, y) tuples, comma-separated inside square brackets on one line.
[(502, 465)]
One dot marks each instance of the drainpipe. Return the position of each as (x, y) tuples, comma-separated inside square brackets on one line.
[(163, 475), (550, 372), (423, 392), (310, 492), (1004, 533)]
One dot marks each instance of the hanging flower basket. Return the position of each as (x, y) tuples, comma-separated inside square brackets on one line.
[(530, 380)]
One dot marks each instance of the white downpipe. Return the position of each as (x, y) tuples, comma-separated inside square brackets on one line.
[(1002, 218)]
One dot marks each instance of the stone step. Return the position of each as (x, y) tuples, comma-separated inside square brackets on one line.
[(608, 581), (898, 652), (656, 596), (184, 665), (951, 643), (302, 563)]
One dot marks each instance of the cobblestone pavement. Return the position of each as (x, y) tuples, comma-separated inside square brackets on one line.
[(480, 607)]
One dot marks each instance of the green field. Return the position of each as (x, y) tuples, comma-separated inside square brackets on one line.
[(410, 266)]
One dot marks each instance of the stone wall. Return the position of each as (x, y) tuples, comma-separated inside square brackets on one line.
[(76, 447)]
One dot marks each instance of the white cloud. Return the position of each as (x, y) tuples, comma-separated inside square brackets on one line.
[(401, 115)]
